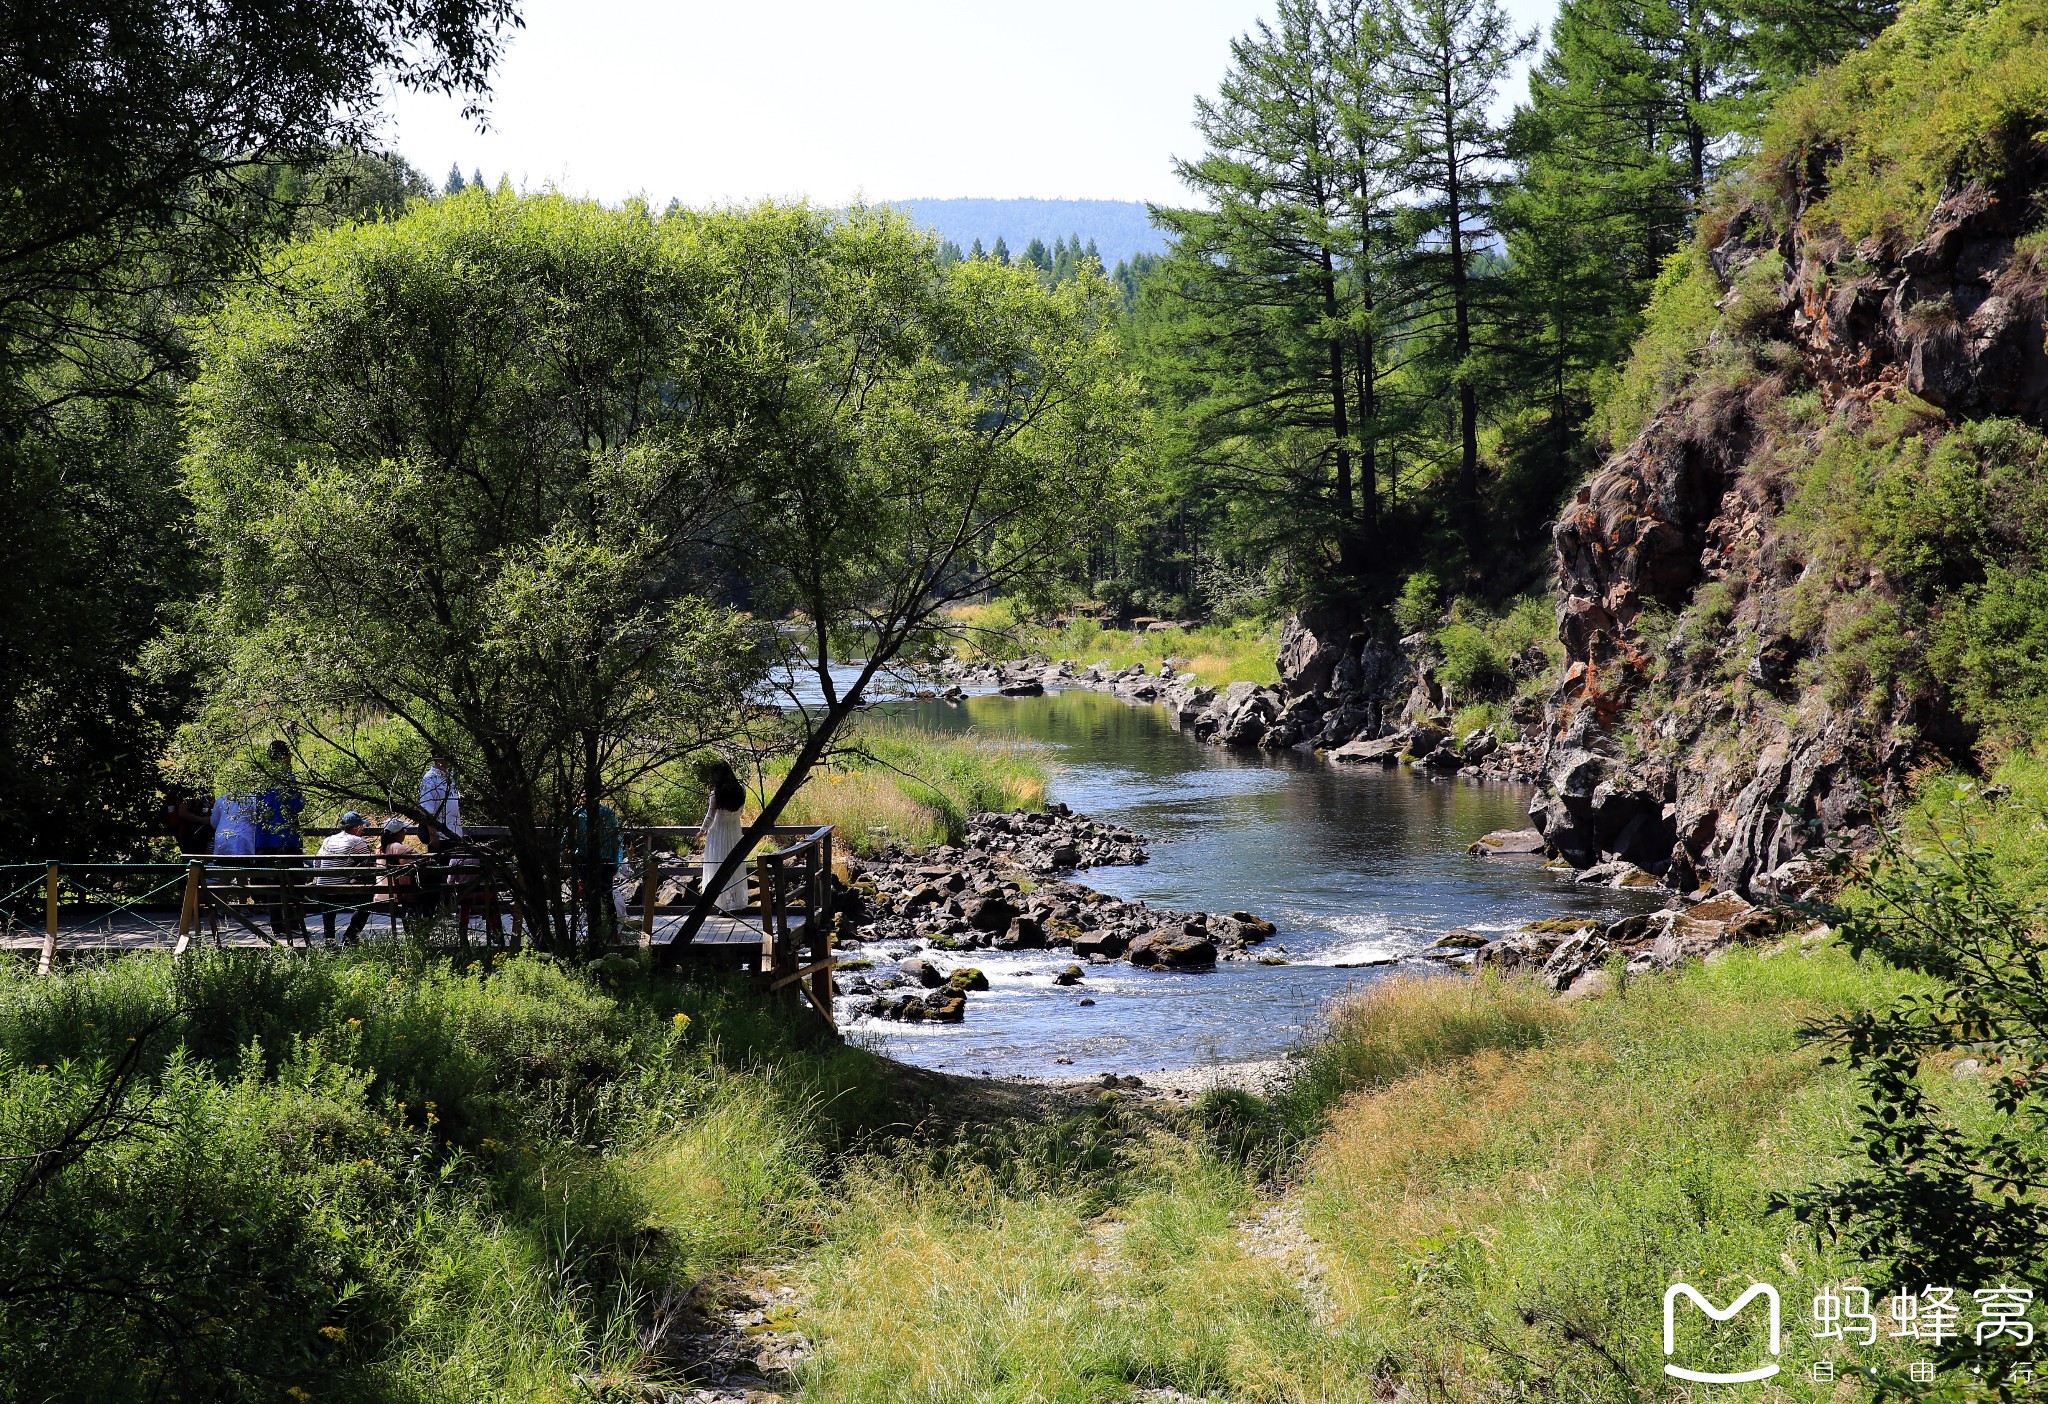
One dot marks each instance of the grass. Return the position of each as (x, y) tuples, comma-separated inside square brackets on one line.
[(484, 1177), (1218, 654), (1481, 1190), (898, 783), (377, 1176)]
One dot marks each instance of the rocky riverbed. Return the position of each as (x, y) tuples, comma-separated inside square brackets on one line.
[(1578, 956), (1340, 719), (1007, 888)]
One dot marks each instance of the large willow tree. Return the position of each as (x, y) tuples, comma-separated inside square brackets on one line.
[(492, 480)]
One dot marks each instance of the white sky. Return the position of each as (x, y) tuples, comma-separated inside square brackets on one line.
[(882, 99)]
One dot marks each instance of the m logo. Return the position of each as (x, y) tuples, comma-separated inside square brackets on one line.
[(1679, 1289)]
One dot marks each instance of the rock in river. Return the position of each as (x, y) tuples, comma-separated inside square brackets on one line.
[(1176, 950)]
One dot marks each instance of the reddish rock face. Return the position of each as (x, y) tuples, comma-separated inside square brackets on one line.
[(1713, 782)]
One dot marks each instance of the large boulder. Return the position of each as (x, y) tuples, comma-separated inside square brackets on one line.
[(990, 914), (1509, 843), (1025, 933), (1312, 644), (1182, 949), (1100, 945), (923, 971), (1384, 751)]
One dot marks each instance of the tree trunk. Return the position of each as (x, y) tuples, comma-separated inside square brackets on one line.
[(1349, 557), (1461, 317), (597, 907)]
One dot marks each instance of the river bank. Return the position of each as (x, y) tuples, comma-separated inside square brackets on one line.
[(1253, 716), (1359, 869)]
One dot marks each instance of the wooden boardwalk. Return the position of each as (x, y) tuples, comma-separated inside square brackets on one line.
[(156, 930), (53, 911)]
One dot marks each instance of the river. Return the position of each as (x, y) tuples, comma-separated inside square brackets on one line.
[(1353, 865)]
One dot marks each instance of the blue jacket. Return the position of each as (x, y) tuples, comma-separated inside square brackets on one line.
[(278, 811), (237, 825)]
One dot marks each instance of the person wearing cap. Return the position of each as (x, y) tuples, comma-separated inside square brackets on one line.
[(338, 866), (401, 875)]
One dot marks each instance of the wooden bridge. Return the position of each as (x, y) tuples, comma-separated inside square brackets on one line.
[(781, 938)]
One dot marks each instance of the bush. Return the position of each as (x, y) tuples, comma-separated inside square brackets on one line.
[(377, 1174)]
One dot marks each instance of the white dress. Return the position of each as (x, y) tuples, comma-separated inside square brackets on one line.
[(722, 829)]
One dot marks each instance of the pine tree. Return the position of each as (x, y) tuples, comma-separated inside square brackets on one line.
[(948, 253), (476, 178), (1448, 57), (455, 184), (977, 251), (1094, 255), (1001, 252), (1259, 301)]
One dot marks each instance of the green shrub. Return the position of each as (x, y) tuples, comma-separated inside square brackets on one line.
[(1473, 662), (1676, 325), (380, 1175), (1420, 601)]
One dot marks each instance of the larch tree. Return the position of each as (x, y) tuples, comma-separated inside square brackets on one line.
[(1257, 326), (1448, 59)]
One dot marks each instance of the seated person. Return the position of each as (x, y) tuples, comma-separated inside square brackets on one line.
[(339, 865)]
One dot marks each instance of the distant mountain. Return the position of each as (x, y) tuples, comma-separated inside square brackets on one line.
[(1119, 228)]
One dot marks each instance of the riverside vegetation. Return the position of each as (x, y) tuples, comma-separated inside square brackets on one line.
[(519, 1181), (1808, 322)]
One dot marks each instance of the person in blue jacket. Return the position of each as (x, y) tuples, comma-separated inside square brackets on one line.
[(237, 826), (281, 803)]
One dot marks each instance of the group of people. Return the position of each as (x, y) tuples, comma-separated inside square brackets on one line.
[(245, 827)]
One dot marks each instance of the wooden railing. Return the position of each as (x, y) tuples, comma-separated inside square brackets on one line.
[(789, 895), (174, 903)]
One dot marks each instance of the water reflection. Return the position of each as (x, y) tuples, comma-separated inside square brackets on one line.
[(1352, 865)]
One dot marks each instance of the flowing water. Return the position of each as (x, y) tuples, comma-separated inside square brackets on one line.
[(1353, 865)]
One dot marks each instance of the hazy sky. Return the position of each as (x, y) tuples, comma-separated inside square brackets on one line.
[(834, 99)]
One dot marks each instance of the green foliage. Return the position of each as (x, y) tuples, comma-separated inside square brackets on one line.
[(1420, 601), (1486, 655), (1955, 90), (1943, 1194), (371, 1176), (1680, 316), (504, 420)]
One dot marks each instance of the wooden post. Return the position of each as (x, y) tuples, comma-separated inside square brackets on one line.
[(188, 910), (821, 929), (650, 881), (49, 958), (770, 948)]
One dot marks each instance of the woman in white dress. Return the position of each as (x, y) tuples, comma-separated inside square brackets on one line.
[(722, 828)]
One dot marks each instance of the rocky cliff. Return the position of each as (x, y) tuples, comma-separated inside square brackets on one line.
[(1707, 726)]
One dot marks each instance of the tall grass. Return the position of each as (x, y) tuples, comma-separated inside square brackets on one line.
[(1247, 651), (1501, 1190), (377, 1175), (898, 783)]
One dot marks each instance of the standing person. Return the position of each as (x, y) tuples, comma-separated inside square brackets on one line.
[(440, 824), (722, 828), (610, 854), (280, 803), (337, 851), (237, 826), (188, 820), (441, 803), (278, 808), (237, 836)]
